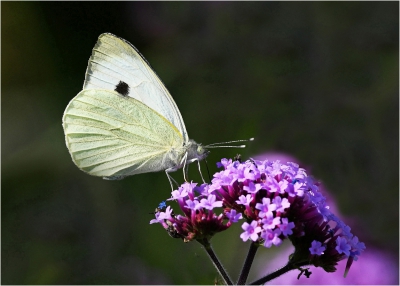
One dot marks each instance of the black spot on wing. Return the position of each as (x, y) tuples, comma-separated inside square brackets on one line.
[(122, 88)]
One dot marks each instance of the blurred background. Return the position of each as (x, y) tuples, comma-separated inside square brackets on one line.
[(316, 80)]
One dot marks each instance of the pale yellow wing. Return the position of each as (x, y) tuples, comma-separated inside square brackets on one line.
[(116, 64), (113, 136)]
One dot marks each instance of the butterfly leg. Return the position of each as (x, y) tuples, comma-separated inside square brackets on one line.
[(186, 172), (185, 166), (201, 174), (170, 179)]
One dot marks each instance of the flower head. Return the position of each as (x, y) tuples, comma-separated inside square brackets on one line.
[(278, 201)]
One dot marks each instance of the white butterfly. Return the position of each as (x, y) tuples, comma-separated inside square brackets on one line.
[(124, 121)]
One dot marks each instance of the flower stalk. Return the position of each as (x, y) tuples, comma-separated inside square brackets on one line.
[(247, 264), (221, 270), (288, 267)]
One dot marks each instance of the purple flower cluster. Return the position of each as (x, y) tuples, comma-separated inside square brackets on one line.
[(199, 220), (277, 200)]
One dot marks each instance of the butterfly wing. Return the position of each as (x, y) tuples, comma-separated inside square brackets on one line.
[(114, 136), (116, 64)]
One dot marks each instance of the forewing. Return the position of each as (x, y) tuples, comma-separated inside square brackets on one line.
[(111, 135), (115, 62)]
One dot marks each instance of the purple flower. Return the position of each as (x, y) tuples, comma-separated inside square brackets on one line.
[(281, 204), (295, 189), (276, 168), (244, 200), (251, 172), (283, 186), (265, 207), (157, 219), (250, 231), (192, 204), (324, 210), (317, 248), (272, 185), (286, 227), (271, 237), (167, 213), (252, 188), (317, 197), (224, 162), (270, 222), (342, 246), (233, 216), (161, 216), (202, 189), (357, 247), (238, 172), (209, 203), (179, 194), (225, 179), (345, 228), (183, 191)]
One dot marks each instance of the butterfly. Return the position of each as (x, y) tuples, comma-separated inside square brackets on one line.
[(124, 121)]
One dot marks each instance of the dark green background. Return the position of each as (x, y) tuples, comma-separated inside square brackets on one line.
[(317, 80)]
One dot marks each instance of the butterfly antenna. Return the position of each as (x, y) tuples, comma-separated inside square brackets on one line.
[(218, 145)]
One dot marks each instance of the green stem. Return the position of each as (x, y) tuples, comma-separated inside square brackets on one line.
[(214, 259), (247, 264)]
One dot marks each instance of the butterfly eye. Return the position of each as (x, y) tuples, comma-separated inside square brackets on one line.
[(200, 150)]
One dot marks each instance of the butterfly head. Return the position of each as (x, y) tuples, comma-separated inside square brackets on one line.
[(202, 152), (196, 151)]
